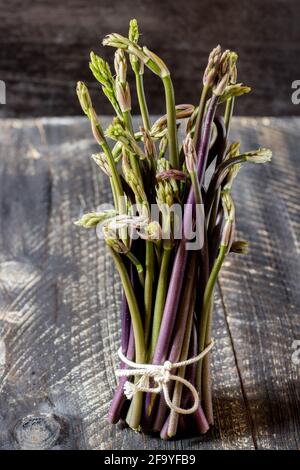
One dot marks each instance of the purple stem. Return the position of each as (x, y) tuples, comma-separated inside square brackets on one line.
[(164, 430), (183, 427), (161, 414), (190, 373), (148, 420), (178, 271), (125, 324), (218, 145), (171, 305), (200, 421), (181, 320), (203, 145), (119, 397), (215, 239), (127, 345)]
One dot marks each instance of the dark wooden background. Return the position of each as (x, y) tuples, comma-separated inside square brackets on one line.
[(45, 49)]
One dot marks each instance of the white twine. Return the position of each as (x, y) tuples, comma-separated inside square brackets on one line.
[(161, 374)]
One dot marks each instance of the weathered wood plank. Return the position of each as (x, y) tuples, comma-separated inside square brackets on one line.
[(58, 378), (261, 290)]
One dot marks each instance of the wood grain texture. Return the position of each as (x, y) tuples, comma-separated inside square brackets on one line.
[(60, 298), (260, 291), (45, 49)]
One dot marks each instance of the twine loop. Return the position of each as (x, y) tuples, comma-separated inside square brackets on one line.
[(161, 374)]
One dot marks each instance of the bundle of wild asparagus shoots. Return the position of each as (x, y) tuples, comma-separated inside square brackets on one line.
[(171, 227)]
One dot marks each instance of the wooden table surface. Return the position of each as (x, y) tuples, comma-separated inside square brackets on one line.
[(60, 298)]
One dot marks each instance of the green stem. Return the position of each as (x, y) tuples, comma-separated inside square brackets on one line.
[(206, 377), (135, 410), (138, 265), (133, 308), (207, 301), (134, 413), (196, 187), (228, 114), (115, 177), (149, 278), (117, 189), (128, 121), (148, 282), (134, 161), (158, 252), (171, 119), (148, 291), (161, 293), (115, 198), (142, 100)]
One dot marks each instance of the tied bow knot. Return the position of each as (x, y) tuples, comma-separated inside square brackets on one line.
[(167, 367), (161, 374)]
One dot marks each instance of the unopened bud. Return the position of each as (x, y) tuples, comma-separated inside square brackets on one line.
[(91, 219), (100, 70), (115, 129), (96, 127), (182, 111), (119, 41), (133, 33), (123, 96), (163, 145), (151, 232), (190, 153), (221, 85), (149, 147), (115, 40), (233, 68), (101, 160), (120, 65), (261, 155), (176, 175), (191, 122), (226, 69), (84, 97), (163, 70), (133, 36), (229, 215), (228, 234), (134, 181), (169, 194), (164, 194), (233, 78), (212, 68), (114, 242), (233, 91), (233, 150)]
